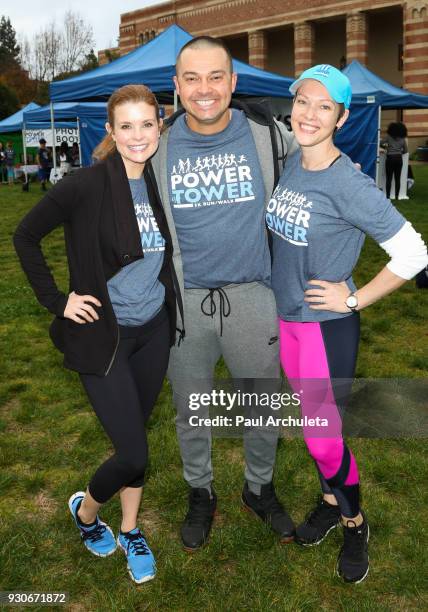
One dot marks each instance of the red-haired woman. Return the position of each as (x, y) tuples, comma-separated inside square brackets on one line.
[(319, 215), (117, 323)]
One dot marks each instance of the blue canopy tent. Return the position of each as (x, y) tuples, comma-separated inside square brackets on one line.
[(19, 122), (92, 131), (73, 112), (358, 137), (369, 89), (14, 122), (154, 65), (66, 110), (78, 114)]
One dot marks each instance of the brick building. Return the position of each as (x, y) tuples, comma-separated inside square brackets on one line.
[(287, 36)]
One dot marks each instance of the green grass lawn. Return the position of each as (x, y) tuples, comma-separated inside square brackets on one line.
[(51, 443)]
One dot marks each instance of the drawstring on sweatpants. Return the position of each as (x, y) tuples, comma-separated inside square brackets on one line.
[(224, 305)]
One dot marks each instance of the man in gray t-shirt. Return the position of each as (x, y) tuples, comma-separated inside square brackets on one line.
[(215, 168)]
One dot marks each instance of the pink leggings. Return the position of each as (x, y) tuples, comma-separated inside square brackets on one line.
[(319, 361)]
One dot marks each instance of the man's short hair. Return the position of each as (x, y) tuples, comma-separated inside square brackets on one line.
[(42, 141), (203, 42)]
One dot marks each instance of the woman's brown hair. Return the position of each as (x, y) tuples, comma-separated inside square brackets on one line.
[(127, 93)]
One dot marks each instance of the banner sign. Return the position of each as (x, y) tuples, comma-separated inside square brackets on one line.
[(68, 135)]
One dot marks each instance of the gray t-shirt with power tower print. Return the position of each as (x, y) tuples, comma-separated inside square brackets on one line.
[(318, 221), (217, 198), (135, 292)]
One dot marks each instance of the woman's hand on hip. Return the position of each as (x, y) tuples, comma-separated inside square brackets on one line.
[(328, 296), (79, 310)]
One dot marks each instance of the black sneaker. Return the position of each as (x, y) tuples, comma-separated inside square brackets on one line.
[(197, 524), (353, 560), (267, 507), (317, 524)]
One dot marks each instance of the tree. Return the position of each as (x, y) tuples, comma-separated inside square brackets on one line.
[(58, 51), (54, 52), (78, 39), (90, 62), (25, 53), (47, 46), (8, 101), (12, 72), (111, 55), (9, 49)]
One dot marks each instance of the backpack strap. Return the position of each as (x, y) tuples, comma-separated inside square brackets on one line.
[(260, 112)]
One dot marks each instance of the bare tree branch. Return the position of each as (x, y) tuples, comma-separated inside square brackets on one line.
[(55, 50), (78, 40)]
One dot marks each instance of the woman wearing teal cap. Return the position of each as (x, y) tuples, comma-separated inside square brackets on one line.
[(318, 215)]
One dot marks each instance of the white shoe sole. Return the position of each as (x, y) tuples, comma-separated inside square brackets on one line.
[(319, 541), (141, 580), (368, 567), (70, 506)]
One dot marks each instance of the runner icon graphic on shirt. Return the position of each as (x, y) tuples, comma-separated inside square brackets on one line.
[(206, 181), (288, 215)]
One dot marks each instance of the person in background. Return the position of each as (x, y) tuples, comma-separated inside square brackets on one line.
[(117, 323), (10, 162), (64, 159), (395, 145), (43, 159), (318, 216), (75, 155), (3, 169)]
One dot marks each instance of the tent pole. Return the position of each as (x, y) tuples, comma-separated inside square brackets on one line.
[(53, 138), (175, 101), (78, 138), (24, 150), (378, 146)]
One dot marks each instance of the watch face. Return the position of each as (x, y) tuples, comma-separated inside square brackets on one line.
[(352, 301)]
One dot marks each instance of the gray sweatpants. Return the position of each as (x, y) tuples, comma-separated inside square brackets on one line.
[(250, 347)]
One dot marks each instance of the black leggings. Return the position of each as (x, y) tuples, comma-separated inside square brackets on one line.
[(393, 167), (123, 401)]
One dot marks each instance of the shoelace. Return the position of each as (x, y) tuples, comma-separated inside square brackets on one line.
[(354, 540), (224, 305), (94, 535), (198, 511), (137, 544)]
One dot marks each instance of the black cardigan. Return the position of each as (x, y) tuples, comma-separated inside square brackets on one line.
[(101, 236)]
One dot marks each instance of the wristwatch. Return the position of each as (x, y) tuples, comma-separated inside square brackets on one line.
[(352, 302)]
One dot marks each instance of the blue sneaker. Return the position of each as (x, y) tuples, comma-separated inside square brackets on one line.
[(141, 563), (99, 538)]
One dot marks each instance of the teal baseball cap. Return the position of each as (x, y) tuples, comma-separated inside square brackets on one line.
[(336, 83)]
